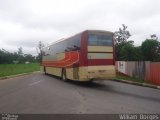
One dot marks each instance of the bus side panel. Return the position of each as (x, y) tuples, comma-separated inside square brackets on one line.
[(42, 68), (69, 73), (72, 73), (87, 73), (77, 74), (54, 71), (83, 74)]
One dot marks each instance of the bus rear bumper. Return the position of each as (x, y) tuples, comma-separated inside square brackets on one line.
[(97, 72)]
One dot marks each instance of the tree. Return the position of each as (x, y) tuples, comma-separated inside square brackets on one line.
[(122, 35), (16, 57), (154, 37), (151, 50), (128, 52), (20, 55), (29, 58), (138, 54), (5, 56), (39, 50), (20, 51)]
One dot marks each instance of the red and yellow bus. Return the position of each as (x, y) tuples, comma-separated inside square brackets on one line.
[(86, 56)]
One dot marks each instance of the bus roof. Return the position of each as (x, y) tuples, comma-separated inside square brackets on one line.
[(103, 31), (89, 31)]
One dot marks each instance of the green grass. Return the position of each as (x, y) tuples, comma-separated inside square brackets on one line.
[(13, 69), (130, 78)]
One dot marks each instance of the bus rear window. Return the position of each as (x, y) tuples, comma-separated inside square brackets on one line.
[(100, 40)]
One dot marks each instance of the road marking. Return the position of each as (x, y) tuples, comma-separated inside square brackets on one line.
[(35, 83)]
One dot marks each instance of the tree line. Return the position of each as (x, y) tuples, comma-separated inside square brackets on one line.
[(16, 57), (149, 50), (7, 57)]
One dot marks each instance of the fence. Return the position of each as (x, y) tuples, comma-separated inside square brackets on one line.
[(155, 73), (148, 71)]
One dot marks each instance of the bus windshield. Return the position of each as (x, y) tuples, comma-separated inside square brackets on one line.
[(99, 40)]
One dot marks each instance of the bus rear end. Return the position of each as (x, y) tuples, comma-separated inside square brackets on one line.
[(97, 58)]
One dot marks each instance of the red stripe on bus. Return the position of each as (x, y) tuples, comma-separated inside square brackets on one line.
[(70, 59)]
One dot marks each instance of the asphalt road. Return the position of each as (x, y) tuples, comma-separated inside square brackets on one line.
[(38, 93)]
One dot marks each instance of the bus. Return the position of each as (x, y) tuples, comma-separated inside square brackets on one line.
[(87, 56)]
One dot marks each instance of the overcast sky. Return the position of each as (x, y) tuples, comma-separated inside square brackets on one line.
[(25, 22)]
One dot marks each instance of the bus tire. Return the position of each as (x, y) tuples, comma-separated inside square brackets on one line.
[(64, 78)]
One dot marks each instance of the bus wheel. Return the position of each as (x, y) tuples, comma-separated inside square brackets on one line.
[(64, 78)]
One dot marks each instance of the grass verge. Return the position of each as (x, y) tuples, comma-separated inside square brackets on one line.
[(13, 69), (130, 78)]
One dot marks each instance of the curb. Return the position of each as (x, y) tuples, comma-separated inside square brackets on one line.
[(137, 83), (17, 75)]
